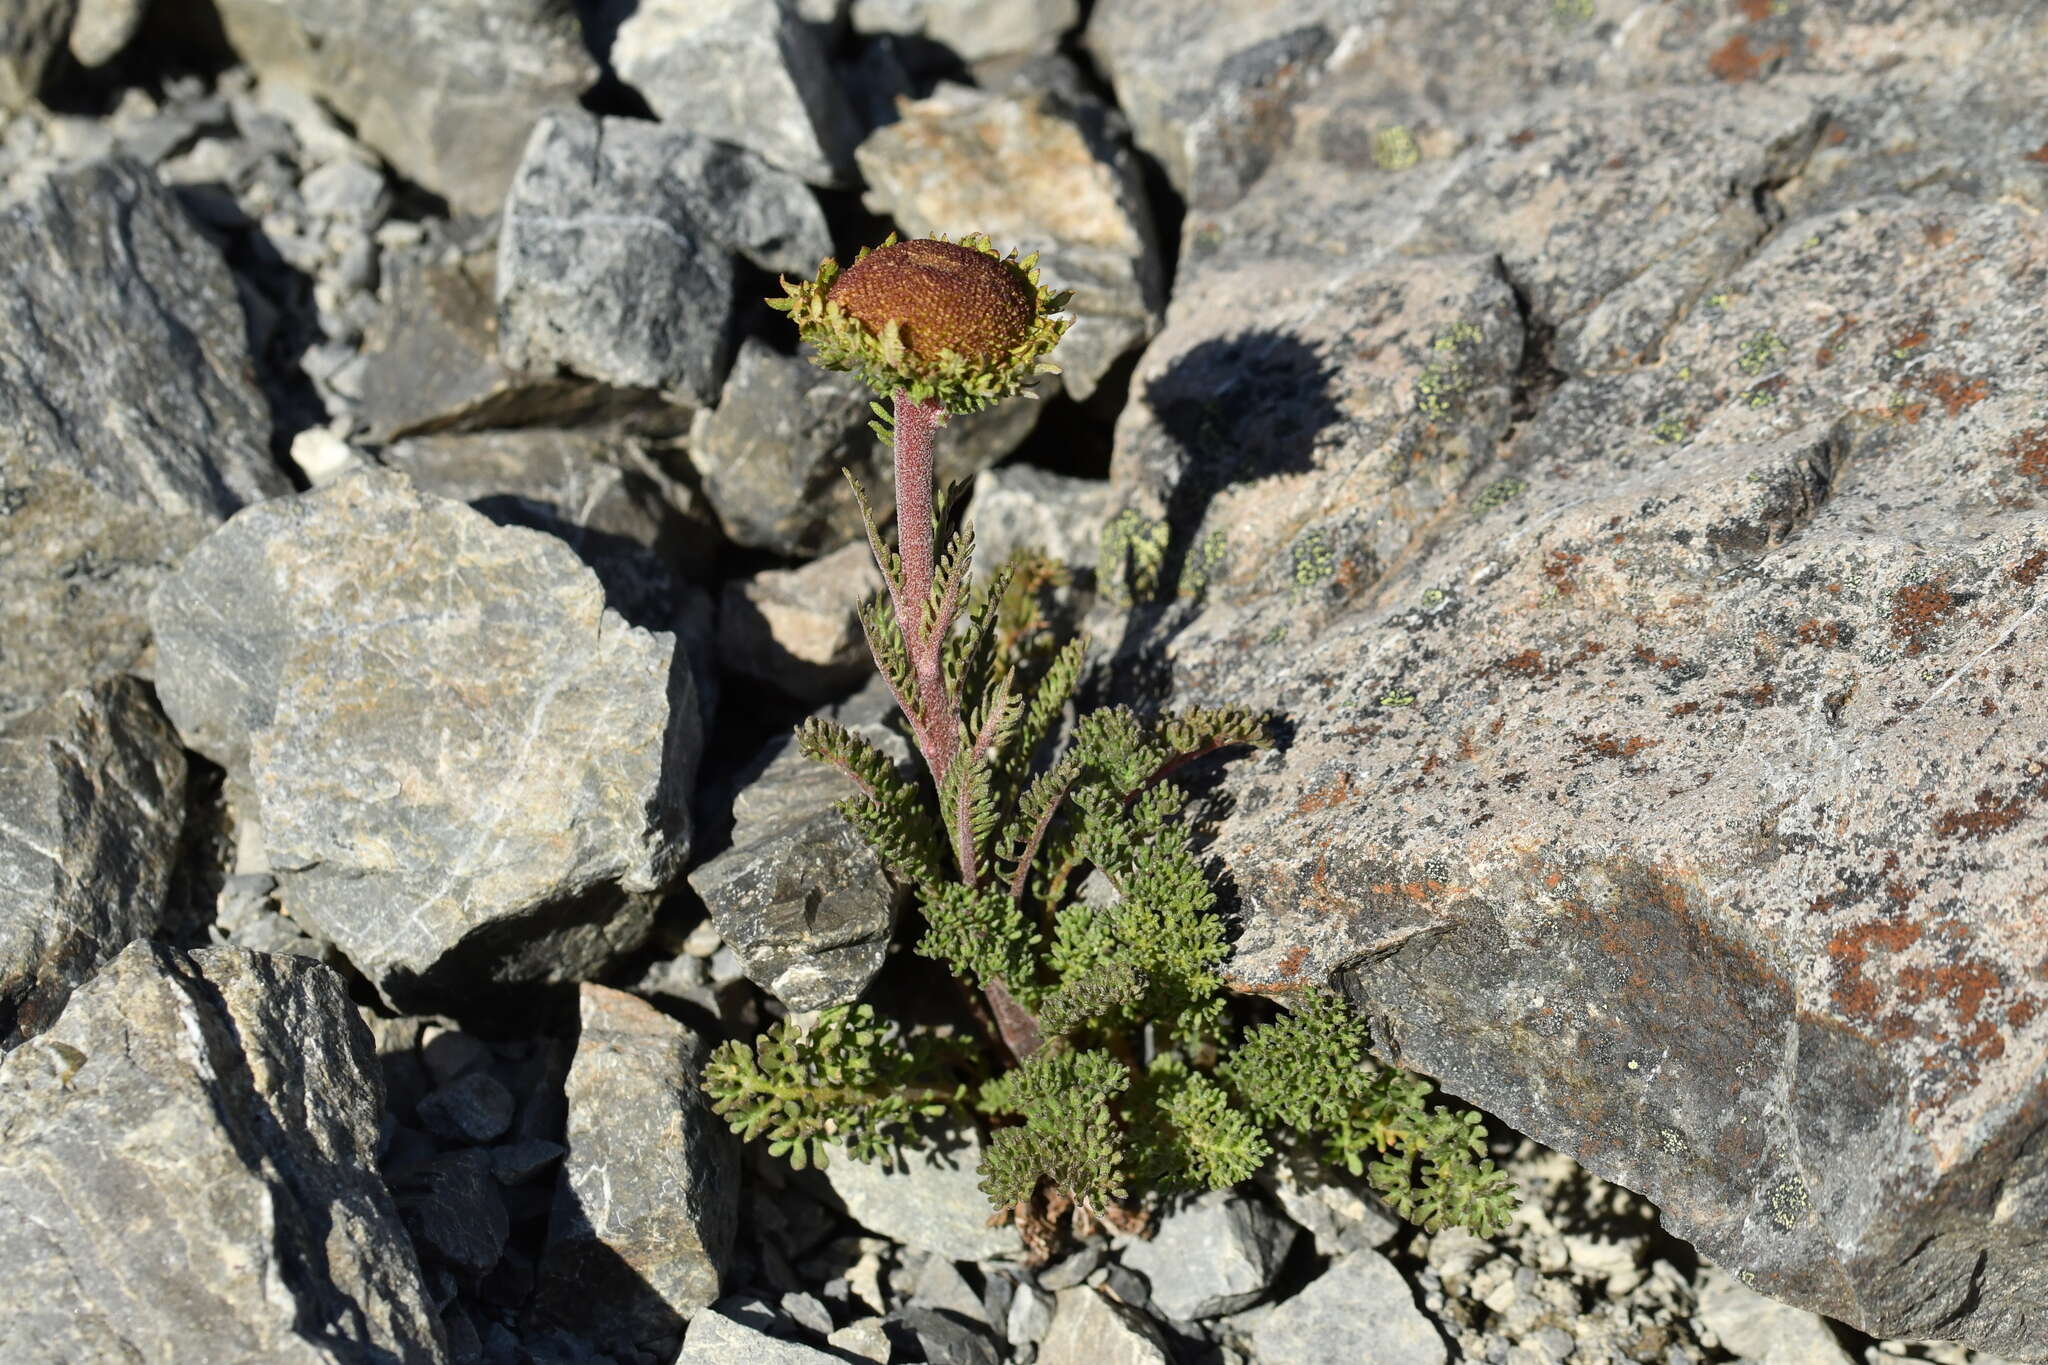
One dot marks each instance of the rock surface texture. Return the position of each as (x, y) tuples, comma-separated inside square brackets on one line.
[(649, 1193), (444, 793), (92, 803), (129, 427), (1629, 495), (239, 1216), (446, 89)]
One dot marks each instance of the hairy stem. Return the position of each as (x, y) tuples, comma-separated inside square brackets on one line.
[(936, 726)]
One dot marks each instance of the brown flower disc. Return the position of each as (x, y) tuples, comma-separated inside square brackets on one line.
[(945, 297)]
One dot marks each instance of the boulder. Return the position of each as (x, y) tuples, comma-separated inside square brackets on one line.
[(92, 806), (1090, 1328), (446, 90), (189, 1173), (1662, 774), (467, 770), (748, 72), (129, 425), (1214, 1254), (929, 1197), (1358, 1309), (1037, 174), (648, 1199)]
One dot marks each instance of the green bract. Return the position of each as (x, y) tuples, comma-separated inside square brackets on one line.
[(954, 323)]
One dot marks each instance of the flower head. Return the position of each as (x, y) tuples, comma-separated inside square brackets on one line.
[(948, 322)]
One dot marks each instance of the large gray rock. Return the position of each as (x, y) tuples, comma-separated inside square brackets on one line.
[(129, 426), (30, 43), (929, 1198), (972, 30), (1358, 1309), (615, 253), (92, 804), (1090, 1328), (1218, 1253), (467, 769), (1036, 174), (446, 90), (189, 1174), (648, 1200), (748, 72), (799, 896), (717, 1337), (1672, 634)]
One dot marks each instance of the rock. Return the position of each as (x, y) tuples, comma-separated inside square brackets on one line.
[(864, 1340), (516, 1163), (456, 1213), (446, 90), (1358, 1309), (930, 1199), (972, 30), (1331, 1206), (743, 72), (103, 27), (1030, 1315), (1749, 1324), (475, 1108), (430, 358), (1214, 104), (940, 1287), (948, 1339), (1089, 1328), (1037, 174), (1217, 1253), (649, 1195), (715, 1338), (605, 265), (771, 453), (1021, 507), (1710, 673), (529, 837), (797, 629), (129, 427), (800, 897), (35, 35), (189, 1174), (599, 492), (92, 808)]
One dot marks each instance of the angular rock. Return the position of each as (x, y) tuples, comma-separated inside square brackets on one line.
[(1751, 1325), (797, 629), (468, 771), (1218, 1253), (30, 45), (1715, 688), (430, 358), (799, 896), (716, 1337), (948, 1339), (189, 1173), (742, 71), (606, 264), (446, 90), (456, 1213), (972, 30), (1213, 105), (1037, 174), (92, 807), (930, 1198), (771, 453), (648, 1200), (1358, 1309), (1021, 507), (1089, 1328), (103, 27), (474, 1108), (129, 426)]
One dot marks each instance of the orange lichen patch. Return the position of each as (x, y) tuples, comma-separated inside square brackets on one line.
[(1756, 11), (1288, 969), (1938, 234), (1854, 995), (2029, 450), (1558, 567), (1910, 341), (1606, 745), (1734, 62), (1645, 655), (1528, 664), (1918, 609), (1988, 817), (2028, 571), (1328, 795), (1952, 389), (1814, 631), (1685, 708), (2039, 154)]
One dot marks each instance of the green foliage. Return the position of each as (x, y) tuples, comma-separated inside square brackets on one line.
[(1069, 1138)]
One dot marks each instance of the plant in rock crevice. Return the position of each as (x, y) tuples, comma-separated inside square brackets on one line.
[(1110, 1061)]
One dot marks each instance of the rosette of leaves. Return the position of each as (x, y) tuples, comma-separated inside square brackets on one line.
[(1110, 1059)]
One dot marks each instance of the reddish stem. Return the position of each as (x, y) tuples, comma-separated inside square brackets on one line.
[(936, 726)]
